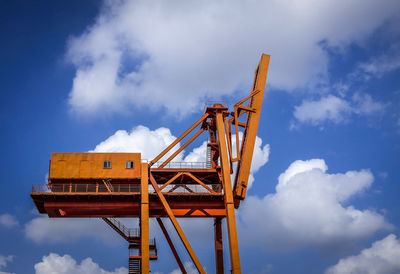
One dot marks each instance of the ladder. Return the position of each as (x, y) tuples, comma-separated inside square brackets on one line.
[(134, 266), (208, 157)]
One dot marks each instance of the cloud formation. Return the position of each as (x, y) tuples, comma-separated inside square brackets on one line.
[(151, 54), (4, 260), (308, 209), (382, 257), (335, 109), (56, 264), (8, 220), (58, 230), (140, 139)]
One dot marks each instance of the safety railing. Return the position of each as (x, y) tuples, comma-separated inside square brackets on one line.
[(128, 232), (182, 165), (185, 188), (84, 188), (134, 248)]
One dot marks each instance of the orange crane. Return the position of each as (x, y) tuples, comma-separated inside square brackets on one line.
[(122, 185)]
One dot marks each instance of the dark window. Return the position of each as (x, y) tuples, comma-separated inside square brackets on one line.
[(129, 164), (107, 164)]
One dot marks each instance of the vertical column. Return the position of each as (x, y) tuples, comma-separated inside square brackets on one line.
[(144, 220), (228, 196), (219, 254)]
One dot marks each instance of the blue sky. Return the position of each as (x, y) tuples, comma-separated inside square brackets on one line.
[(106, 76)]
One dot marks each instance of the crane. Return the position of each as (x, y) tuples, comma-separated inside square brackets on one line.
[(122, 185)]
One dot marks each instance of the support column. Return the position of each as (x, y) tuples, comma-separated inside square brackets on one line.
[(219, 253), (144, 220), (228, 196)]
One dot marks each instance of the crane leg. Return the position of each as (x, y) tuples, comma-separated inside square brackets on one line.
[(144, 221), (228, 196), (219, 253)]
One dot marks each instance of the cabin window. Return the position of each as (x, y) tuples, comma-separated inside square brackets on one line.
[(129, 164), (107, 164)]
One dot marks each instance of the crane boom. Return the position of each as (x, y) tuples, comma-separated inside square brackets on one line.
[(250, 128)]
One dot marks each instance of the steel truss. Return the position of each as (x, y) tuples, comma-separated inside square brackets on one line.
[(206, 192)]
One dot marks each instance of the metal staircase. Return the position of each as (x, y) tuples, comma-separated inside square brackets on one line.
[(208, 157), (134, 266), (132, 236)]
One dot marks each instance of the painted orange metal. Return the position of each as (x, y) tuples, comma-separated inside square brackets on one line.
[(228, 196), (90, 166), (144, 220), (219, 254), (83, 185), (177, 226), (171, 245), (250, 132)]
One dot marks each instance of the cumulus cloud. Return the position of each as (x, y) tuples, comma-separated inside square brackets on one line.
[(4, 260), (151, 54), (140, 139), (309, 209), (58, 230), (8, 220), (335, 109), (328, 108), (382, 257), (56, 264)]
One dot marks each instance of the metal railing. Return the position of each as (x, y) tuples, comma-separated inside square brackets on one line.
[(184, 188), (128, 232), (85, 188), (182, 165)]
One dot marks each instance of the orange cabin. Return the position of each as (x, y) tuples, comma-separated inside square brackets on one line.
[(94, 167)]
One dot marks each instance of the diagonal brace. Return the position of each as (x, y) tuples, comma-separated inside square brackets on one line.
[(176, 225)]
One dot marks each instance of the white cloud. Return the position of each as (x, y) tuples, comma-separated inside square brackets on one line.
[(4, 260), (189, 267), (382, 257), (330, 108), (175, 55), (141, 139), (56, 264), (378, 66), (309, 208), (8, 220), (365, 105), (58, 230), (337, 110)]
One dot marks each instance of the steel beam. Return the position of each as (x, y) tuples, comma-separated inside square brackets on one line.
[(177, 226), (219, 253), (144, 220), (171, 245), (179, 150), (250, 132), (228, 196), (159, 156)]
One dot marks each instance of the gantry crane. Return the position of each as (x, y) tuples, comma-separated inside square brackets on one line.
[(122, 185)]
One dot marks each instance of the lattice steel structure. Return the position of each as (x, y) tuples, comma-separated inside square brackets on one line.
[(116, 185)]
